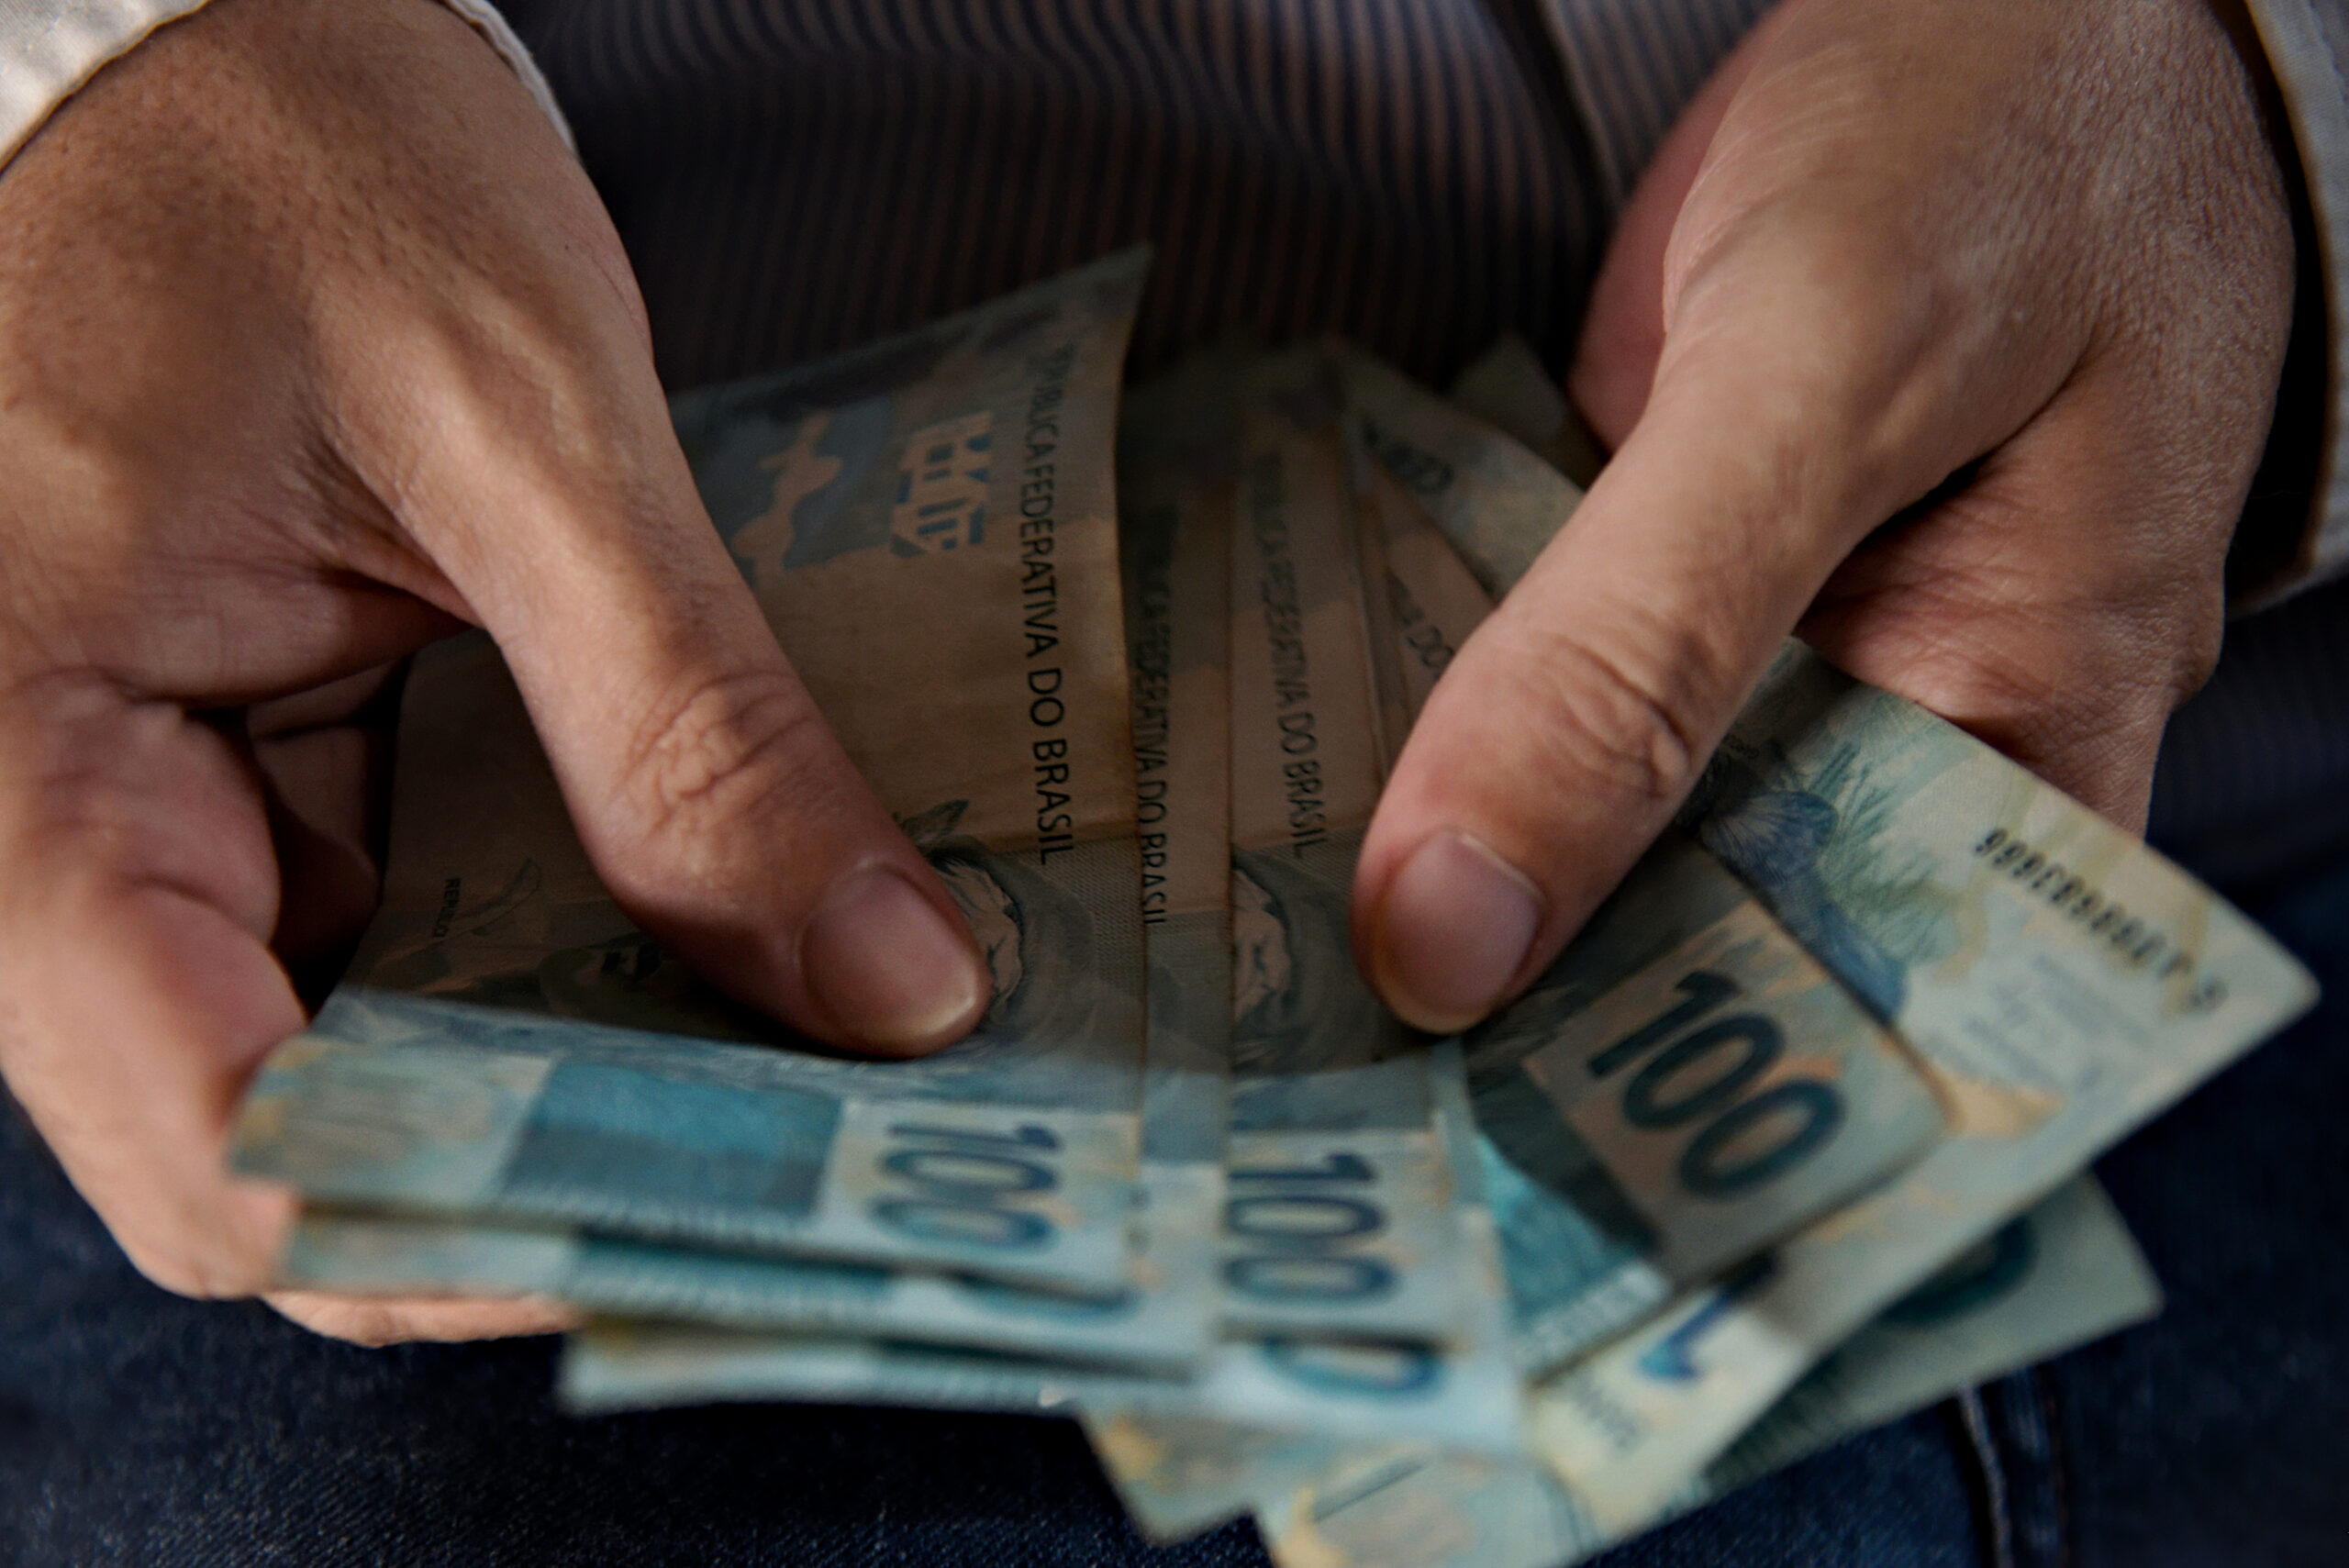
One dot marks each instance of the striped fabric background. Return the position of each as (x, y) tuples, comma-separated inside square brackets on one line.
[(1632, 66), (794, 176), (2253, 781)]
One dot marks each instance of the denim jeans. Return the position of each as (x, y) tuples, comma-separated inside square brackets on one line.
[(138, 1428)]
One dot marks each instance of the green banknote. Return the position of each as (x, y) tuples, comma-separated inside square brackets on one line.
[(1175, 495), (2061, 1275), (1359, 1391), (1180, 1469), (930, 525), (2060, 982), (1683, 1087), (1585, 1259), (1625, 1165), (1613, 1182), (397, 1254), (1422, 599), (1606, 1195), (1180, 1475)]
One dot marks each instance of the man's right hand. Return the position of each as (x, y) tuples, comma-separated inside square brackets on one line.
[(315, 345)]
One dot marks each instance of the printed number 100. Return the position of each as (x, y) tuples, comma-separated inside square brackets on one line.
[(1700, 1080), (1292, 1222), (961, 1182)]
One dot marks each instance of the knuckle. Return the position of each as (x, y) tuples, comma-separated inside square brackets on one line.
[(103, 797), (1614, 716), (2036, 698), (724, 750)]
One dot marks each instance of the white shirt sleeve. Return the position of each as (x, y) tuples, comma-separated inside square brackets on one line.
[(49, 47)]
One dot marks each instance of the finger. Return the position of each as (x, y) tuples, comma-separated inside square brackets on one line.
[(1822, 366), (323, 758), (137, 996), (137, 993), (714, 799), (522, 438), (1801, 400), (1574, 721), (390, 1320), (2059, 607)]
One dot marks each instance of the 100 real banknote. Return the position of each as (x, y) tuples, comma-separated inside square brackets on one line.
[(1162, 1321), (930, 526), (2057, 982)]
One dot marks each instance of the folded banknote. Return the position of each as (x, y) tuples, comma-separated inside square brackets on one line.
[(930, 526), (1787, 1142)]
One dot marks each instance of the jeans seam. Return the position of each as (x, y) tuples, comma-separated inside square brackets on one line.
[(2059, 1478), (1990, 1478)]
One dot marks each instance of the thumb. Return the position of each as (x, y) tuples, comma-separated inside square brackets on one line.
[(1843, 327), (716, 804), (1787, 419)]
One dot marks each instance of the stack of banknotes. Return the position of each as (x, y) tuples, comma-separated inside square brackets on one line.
[(1789, 1141)]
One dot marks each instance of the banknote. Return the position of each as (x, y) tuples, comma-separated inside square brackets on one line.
[(1431, 600), (1182, 1471), (1180, 1475), (1597, 1214), (1324, 1127), (1509, 388), (1572, 1282), (1352, 1166), (930, 526), (1458, 1397), (1175, 466), (359, 1254), (1638, 1138), (1497, 502), (1175, 479), (1683, 1087), (2059, 1276), (1342, 1215), (2064, 1274), (1358, 1393), (2060, 982)]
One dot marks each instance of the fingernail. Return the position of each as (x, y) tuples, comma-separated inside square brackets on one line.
[(1456, 925), (887, 966)]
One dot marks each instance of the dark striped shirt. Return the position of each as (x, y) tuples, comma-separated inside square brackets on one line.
[(793, 176)]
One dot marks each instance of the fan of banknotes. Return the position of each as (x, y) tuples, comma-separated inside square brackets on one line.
[(1789, 1141)]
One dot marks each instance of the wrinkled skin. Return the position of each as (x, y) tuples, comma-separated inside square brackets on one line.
[(295, 377), (1889, 241)]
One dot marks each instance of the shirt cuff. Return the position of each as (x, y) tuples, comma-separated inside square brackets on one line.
[(2306, 44), (50, 47)]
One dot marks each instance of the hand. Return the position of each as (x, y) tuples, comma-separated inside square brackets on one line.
[(2028, 265), (315, 345)]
